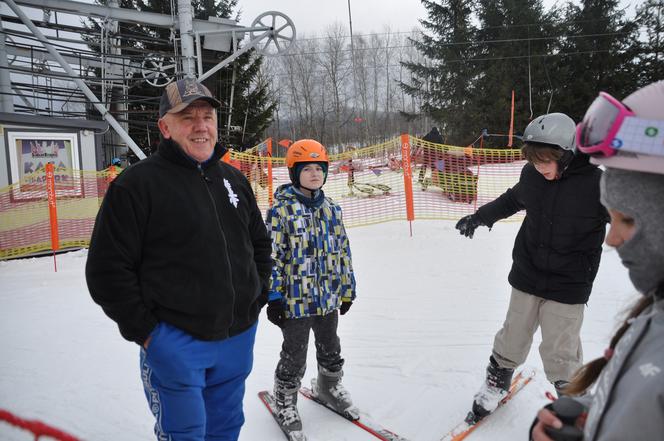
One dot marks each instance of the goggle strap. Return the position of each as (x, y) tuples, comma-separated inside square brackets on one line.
[(639, 135)]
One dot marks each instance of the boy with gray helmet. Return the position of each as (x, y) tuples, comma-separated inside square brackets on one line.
[(555, 257), (627, 398)]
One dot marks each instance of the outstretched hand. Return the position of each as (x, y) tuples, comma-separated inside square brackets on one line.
[(468, 224)]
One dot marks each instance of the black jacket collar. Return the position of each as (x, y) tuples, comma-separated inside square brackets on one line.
[(579, 164)]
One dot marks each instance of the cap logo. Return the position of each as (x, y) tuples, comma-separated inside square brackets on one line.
[(179, 94), (314, 155), (191, 87)]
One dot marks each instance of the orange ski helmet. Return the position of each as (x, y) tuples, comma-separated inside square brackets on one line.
[(302, 152)]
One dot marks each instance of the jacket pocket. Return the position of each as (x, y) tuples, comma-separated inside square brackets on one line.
[(153, 338)]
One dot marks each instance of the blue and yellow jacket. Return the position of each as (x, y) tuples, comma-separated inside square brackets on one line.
[(312, 269)]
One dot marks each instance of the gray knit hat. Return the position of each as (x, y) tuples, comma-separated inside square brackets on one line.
[(640, 196)]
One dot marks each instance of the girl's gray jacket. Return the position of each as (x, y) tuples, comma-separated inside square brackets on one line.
[(628, 401)]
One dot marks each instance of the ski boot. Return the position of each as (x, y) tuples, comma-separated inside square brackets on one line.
[(328, 388), (285, 396), (493, 390)]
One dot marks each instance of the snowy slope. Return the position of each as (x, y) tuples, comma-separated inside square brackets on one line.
[(416, 342)]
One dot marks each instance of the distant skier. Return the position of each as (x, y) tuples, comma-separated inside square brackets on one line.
[(555, 258), (113, 170), (312, 278), (428, 153), (623, 391)]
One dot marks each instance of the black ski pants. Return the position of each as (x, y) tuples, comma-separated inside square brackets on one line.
[(293, 361)]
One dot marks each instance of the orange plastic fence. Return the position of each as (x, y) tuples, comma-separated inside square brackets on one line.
[(405, 178), (25, 228)]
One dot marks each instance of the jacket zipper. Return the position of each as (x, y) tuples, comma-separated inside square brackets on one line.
[(206, 182)]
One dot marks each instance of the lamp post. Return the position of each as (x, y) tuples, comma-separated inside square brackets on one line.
[(352, 58)]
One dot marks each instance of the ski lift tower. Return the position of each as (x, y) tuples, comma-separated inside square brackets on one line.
[(270, 33)]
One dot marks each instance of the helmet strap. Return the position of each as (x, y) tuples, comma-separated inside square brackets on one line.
[(564, 162)]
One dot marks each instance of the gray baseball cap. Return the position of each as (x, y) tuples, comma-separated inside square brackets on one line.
[(179, 94)]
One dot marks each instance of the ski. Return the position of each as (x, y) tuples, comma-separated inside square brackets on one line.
[(463, 429), (268, 400), (363, 421)]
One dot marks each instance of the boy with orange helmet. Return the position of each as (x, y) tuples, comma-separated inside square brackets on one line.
[(312, 278)]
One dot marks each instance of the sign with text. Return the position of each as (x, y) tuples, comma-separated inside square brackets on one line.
[(30, 152)]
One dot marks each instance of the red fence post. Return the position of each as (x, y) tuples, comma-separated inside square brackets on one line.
[(52, 210), (407, 177), (269, 171)]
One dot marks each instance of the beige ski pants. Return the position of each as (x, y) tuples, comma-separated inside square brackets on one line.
[(560, 349)]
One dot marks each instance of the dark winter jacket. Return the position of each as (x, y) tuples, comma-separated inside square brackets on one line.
[(183, 243), (557, 250)]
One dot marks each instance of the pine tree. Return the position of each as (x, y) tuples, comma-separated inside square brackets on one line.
[(597, 54), (445, 84), (513, 42), (650, 19)]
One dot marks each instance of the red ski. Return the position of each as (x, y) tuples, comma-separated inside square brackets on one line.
[(363, 422), (463, 429)]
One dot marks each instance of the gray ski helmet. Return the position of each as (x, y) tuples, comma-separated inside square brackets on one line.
[(555, 129)]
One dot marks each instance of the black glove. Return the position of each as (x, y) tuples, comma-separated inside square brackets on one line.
[(275, 312), (568, 411), (468, 224), (345, 306)]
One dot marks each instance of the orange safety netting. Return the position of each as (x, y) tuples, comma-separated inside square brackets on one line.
[(24, 213), (450, 182), (371, 184), (447, 181)]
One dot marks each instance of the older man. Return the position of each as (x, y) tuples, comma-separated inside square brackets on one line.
[(180, 260)]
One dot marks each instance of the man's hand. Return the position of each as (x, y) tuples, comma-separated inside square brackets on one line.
[(468, 224), (345, 306), (275, 312)]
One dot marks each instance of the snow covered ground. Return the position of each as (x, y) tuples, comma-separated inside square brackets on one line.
[(416, 342)]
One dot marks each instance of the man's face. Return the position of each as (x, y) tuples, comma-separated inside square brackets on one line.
[(194, 129), (548, 169)]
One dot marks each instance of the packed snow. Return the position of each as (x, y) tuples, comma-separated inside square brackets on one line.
[(416, 342)]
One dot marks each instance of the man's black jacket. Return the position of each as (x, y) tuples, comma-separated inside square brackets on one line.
[(558, 248), (182, 243)]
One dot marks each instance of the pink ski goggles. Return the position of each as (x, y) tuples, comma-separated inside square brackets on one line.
[(609, 126)]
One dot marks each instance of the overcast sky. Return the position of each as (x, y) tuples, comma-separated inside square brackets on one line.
[(368, 15)]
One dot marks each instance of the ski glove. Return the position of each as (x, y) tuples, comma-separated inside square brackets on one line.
[(275, 312), (468, 224), (345, 306)]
